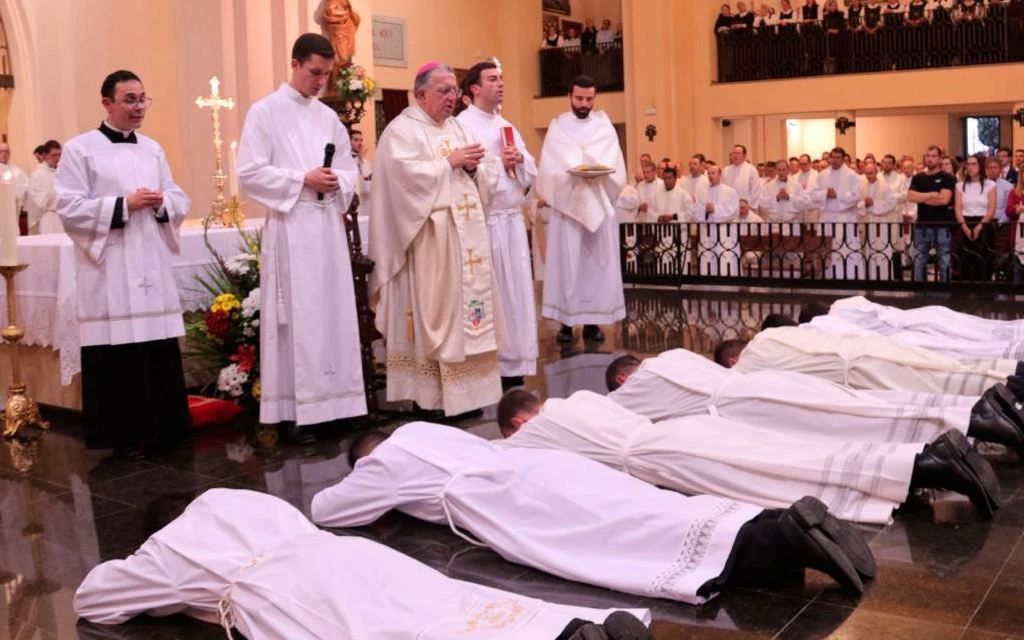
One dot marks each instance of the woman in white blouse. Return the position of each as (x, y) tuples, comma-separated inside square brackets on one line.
[(975, 207)]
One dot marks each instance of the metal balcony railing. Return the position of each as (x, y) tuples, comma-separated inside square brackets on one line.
[(790, 51), (558, 66)]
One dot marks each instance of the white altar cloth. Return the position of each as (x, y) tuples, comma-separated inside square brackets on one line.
[(46, 290)]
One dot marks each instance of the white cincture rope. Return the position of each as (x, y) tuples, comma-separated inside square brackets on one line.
[(448, 514), (224, 609)]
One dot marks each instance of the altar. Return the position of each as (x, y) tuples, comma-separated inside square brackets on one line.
[(51, 356)]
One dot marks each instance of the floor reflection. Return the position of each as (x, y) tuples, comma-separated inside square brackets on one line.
[(942, 572)]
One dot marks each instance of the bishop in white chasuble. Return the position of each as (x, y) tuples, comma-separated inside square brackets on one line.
[(433, 283), (121, 207)]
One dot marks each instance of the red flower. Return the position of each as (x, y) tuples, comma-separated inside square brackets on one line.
[(245, 358), (218, 323)]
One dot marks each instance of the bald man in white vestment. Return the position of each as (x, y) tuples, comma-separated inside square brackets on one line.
[(434, 284), (577, 519), (253, 563), (718, 205), (882, 218), (742, 175), (680, 383), (582, 277), (695, 178), (309, 334), (705, 454), (869, 362), (510, 247)]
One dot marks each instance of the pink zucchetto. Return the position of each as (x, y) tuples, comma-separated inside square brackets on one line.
[(427, 68)]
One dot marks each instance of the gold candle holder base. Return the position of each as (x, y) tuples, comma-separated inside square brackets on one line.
[(226, 213), (21, 411)]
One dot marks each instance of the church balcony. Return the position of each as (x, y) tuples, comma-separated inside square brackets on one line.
[(558, 66), (809, 50), (817, 255)]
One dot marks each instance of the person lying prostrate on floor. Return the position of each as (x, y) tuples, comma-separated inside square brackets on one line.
[(577, 519), (704, 454), (680, 383), (866, 362), (938, 328), (251, 562)]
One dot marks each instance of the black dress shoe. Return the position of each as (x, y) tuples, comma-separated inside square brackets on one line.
[(824, 543), (130, 452), (993, 420), (297, 435), (565, 336), (950, 463), (590, 631), (592, 333), (625, 626)]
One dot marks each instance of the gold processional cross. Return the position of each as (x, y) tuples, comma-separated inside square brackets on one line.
[(466, 206), (215, 103)]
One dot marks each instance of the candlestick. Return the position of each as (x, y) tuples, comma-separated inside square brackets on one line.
[(233, 170), (20, 410), (8, 221)]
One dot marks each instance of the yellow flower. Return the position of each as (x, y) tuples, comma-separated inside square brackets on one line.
[(368, 83), (257, 389), (226, 302)]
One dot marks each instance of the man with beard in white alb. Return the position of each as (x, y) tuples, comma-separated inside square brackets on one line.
[(520, 504), (861, 481), (510, 248), (251, 562), (582, 278)]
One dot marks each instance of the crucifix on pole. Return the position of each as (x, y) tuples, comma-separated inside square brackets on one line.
[(215, 103)]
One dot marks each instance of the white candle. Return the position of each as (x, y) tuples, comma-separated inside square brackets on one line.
[(8, 221), (233, 170)]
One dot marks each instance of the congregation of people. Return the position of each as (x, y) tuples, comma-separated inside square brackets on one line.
[(867, 16), (881, 215), (590, 40)]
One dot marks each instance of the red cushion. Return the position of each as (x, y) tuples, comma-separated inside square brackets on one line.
[(210, 412)]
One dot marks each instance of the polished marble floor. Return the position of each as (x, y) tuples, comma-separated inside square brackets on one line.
[(942, 572)]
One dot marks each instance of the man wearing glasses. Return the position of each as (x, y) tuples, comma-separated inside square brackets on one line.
[(122, 209)]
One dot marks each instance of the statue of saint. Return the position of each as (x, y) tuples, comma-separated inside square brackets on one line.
[(339, 23)]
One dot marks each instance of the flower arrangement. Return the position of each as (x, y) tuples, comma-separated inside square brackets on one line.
[(355, 90), (226, 335)]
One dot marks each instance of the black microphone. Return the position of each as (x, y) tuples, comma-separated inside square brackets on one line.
[(328, 159)]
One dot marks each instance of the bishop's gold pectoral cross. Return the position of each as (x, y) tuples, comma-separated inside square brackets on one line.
[(445, 149), (472, 261), (466, 206)]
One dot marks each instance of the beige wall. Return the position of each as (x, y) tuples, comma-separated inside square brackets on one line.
[(596, 10)]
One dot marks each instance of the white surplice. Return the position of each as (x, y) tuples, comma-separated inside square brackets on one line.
[(646, 191), (693, 185), (278, 576), (582, 279), (883, 227), (719, 239), (786, 210), (838, 219), (744, 180), (677, 202), (40, 203), (867, 362), (433, 284), (681, 383), (705, 454), (510, 247), (126, 289), (309, 334), (602, 527)]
